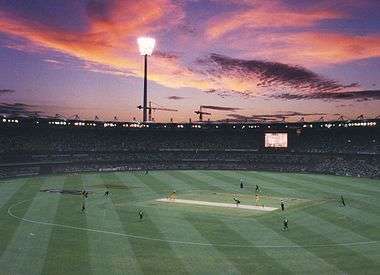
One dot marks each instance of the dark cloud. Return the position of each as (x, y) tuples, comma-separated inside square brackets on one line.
[(19, 109), (267, 73), (210, 91), (166, 55), (174, 97), (271, 117), (251, 118), (363, 95), (292, 114), (344, 105), (220, 108), (187, 29), (224, 93), (353, 85), (6, 91)]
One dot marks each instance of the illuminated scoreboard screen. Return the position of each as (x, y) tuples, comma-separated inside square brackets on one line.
[(276, 140)]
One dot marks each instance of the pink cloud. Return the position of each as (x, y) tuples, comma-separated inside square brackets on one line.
[(264, 15), (314, 48), (109, 43)]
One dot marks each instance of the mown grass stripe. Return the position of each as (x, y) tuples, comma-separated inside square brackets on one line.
[(279, 187), (369, 205), (246, 260), (146, 255), (338, 185), (274, 187), (343, 258), (196, 181), (368, 221), (217, 179), (176, 227), (197, 177), (26, 252), (295, 184), (335, 231), (259, 234), (186, 183), (320, 185), (7, 190), (355, 182), (344, 218), (9, 225), (74, 259), (103, 215)]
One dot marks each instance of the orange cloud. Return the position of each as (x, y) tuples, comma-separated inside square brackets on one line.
[(313, 48), (264, 16), (335, 48), (108, 37), (109, 43)]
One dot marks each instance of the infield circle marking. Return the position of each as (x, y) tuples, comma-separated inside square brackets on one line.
[(177, 241)]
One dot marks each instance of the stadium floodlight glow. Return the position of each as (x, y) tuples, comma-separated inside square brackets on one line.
[(146, 46)]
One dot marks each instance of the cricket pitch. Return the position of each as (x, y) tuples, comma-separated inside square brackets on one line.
[(219, 204)]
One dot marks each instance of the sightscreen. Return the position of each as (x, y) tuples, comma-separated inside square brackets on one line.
[(276, 140)]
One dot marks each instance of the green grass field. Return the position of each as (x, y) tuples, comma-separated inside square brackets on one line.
[(46, 233)]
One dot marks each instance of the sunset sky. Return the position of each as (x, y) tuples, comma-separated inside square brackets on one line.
[(249, 58)]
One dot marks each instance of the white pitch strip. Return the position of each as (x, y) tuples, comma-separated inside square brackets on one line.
[(219, 204)]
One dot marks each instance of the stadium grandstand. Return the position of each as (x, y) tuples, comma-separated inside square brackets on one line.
[(32, 146)]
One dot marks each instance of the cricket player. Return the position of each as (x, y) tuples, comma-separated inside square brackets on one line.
[(342, 200), (173, 195), (257, 189), (285, 222), (237, 202)]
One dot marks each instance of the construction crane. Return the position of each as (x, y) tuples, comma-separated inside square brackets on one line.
[(158, 108), (341, 117), (200, 112), (302, 119), (74, 117), (59, 116)]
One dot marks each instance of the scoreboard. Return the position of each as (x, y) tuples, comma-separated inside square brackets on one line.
[(276, 140)]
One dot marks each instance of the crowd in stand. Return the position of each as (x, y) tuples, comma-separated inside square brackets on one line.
[(352, 152), (357, 141), (69, 140)]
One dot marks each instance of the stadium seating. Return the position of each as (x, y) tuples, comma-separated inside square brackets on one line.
[(29, 148)]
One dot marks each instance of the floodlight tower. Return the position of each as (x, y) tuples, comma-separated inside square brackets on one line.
[(146, 46)]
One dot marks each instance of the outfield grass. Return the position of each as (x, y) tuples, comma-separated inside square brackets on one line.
[(46, 233)]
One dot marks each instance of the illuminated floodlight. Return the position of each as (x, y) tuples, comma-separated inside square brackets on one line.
[(146, 45)]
